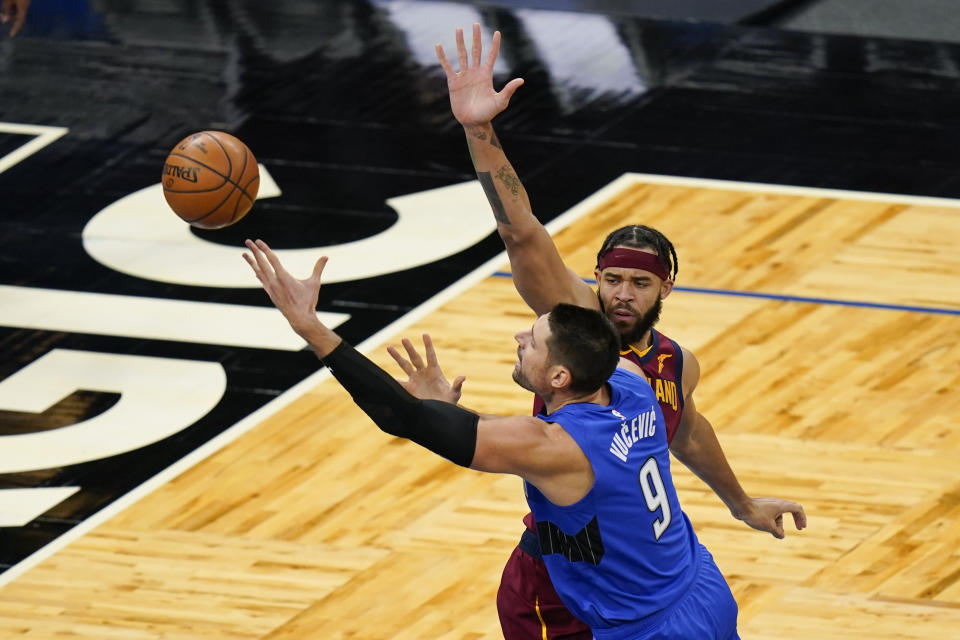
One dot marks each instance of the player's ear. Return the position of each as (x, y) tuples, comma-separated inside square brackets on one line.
[(666, 286), (559, 376)]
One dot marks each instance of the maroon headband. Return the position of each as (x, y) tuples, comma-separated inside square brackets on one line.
[(634, 259)]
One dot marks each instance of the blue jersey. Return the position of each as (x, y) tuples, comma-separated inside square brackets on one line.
[(625, 551)]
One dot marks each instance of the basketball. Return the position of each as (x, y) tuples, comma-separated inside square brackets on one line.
[(210, 179)]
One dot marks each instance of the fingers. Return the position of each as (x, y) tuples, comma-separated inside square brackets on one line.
[(786, 506), (507, 92), (14, 10), (412, 353), (318, 269), (18, 22), (259, 262), (494, 49), (253, 265), (268, 268), (476, 52), (778, 528), (274, 260), (799, 516), (430, 351), (457, 385), (461, 51), (442, 57), (400, 360), (477, 44)]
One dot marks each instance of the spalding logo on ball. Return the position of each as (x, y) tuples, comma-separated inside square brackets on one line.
[(210, 179)]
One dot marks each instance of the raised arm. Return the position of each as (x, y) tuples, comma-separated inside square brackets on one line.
[(525, 446), (539, 274), (695, 444), (439, 426)]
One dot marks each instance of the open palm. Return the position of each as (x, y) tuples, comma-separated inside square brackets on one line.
[(472, 96), (296, 299)]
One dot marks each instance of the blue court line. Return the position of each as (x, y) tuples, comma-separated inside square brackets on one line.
[(785, 298)]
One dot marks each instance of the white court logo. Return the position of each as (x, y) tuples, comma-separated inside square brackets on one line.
[(158, 398), (140, 236)]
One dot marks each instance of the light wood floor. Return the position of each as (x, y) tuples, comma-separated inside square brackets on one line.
[(317, 525)]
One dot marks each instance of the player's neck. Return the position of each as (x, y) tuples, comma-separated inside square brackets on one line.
[(643, 344), (601, 396)]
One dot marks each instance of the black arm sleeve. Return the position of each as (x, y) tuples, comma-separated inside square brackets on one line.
[(441, 427)]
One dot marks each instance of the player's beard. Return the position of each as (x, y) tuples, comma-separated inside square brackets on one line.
[(643, 324), (522, 380)]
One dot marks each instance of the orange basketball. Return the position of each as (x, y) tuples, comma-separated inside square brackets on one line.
[(210, 179)]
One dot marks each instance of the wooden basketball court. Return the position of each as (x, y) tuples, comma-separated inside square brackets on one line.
[(827, 328)]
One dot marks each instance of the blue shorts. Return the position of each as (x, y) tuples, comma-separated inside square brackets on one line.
[(707, 611)]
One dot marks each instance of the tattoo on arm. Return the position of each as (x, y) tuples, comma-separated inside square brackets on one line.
[(477, 133), (511, 181), (493, 197), (473, 158)]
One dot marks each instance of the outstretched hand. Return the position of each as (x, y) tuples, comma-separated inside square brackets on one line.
[(766, 514), (426, 380), (15, 10), (472, 96), (296, 299)]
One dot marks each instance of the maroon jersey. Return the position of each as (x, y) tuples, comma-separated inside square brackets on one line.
[(662, 364)]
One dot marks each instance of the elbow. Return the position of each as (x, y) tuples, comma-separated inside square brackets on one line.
[(514, 236), (508, 234), (682, 450)]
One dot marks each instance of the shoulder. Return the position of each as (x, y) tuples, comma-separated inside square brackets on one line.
[(629, 381), (627, 365), (520, 424), (529, 431), (688, 365), (691, 370), (664, 343), (525, 446)]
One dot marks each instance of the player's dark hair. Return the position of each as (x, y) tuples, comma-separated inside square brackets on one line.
[(638, 236), (585, 342)]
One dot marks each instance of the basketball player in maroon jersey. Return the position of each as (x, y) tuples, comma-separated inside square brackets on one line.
[(635, 272)]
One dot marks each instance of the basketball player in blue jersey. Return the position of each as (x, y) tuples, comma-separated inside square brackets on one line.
[(622, 555), (635, 271)]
